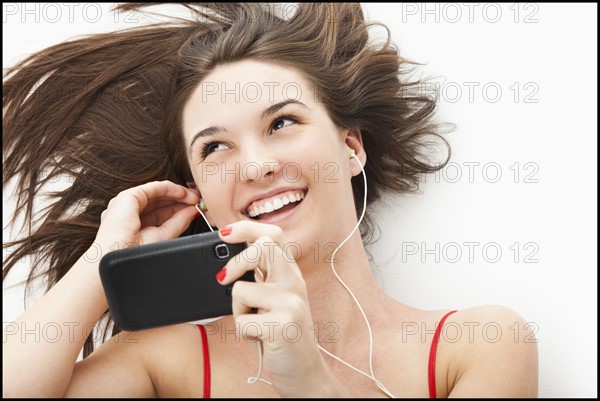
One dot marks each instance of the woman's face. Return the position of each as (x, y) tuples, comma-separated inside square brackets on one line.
[(258, 140)]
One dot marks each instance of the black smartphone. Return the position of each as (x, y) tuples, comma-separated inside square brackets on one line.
[(168, 282)]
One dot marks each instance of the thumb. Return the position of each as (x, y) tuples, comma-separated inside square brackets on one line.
[(179, 222)]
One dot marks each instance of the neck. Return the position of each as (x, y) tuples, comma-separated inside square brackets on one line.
[(331, 304)]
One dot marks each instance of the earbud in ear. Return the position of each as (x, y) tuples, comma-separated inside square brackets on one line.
[(350, 152), (201, 206)]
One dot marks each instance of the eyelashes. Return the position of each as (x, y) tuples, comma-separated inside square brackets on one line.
[(208, 147), (284, 117)]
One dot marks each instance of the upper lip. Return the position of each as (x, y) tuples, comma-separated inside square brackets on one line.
[(269, 194)]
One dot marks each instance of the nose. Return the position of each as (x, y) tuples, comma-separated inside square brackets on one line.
[(258, 164)]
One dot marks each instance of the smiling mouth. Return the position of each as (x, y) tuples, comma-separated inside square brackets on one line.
[(275, 206)]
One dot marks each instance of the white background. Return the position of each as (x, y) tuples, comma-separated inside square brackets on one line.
[(543, 58)]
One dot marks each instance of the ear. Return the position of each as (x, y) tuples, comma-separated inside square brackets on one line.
[(192, 185), (354, 140)]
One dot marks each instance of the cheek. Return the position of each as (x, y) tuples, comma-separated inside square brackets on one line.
[(311, 149), (215, 191), (320, 164)]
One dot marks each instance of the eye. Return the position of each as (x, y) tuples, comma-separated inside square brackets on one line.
[(283, 121), (210, 147)]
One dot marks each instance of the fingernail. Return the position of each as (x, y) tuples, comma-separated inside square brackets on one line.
[(196, 216), (225, 231), (221, 275)]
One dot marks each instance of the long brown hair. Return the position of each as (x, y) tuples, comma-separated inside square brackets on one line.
[(105, 110)]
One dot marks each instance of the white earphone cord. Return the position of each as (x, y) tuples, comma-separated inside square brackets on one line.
[(204, 217), (252, 380), (372, 375)]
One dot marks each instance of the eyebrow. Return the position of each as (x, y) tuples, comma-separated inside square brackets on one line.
[(205, 132), (273, 109), (268, 111)]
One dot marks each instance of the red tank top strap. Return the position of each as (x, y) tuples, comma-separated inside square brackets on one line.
[(206, 356), (432, 354)]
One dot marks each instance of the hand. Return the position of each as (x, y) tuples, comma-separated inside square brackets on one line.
[(292, 358), (151, 212)]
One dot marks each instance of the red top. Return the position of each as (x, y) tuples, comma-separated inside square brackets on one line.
[(430, 370), (206, 362), (432, 354)]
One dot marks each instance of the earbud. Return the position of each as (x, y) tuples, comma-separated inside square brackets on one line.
[(350, 152), (201, 208), (202, 205)]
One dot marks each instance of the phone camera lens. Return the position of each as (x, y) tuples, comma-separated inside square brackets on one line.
[(222, 251)]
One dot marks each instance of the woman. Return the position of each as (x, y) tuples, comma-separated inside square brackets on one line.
[(231, 112)]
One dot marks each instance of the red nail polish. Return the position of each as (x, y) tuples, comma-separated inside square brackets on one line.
[(197, 215), (225, 231), (221, 274)]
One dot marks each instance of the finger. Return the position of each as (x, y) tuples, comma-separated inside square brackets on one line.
[(158, 216), (250, 327), (246, 296), (177, 223), (247, 260), (267, 327), (145, 193), (250, 231), (133, 201), (159, 203), (266, 258)]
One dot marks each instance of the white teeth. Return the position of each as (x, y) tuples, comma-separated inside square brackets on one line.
[(275, 204)]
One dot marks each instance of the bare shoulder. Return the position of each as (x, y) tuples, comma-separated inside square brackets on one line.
[(173, 356), (161, 362), (491, 351)]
